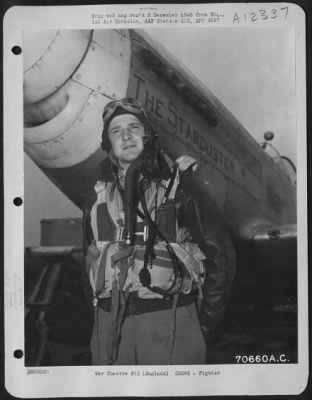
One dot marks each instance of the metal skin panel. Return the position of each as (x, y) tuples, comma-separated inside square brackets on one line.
[(241, 210), (106, 69), (77, 99), (35, 44), (237, 182), (50, 59), (221, 146), (172, 71), (182, 130), (115, 42), (60, 142), (77, 143), (89, 172)]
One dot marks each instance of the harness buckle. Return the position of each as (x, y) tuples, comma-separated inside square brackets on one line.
[(120, 233), (144, 233)]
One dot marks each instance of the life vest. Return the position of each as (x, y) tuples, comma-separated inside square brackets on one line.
[(107, 218)]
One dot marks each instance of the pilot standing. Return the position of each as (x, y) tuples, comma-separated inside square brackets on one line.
[(156, 291)]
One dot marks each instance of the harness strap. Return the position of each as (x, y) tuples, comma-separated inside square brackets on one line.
[(144, 273), (119, 298), (173, 179), (118, 321), (173, 328), (191, 264), (121, 259), (100, 279)]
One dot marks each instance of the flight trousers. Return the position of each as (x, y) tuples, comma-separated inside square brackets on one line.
[(170, 336)]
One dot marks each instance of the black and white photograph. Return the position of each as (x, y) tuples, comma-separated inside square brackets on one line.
[(162, 201)]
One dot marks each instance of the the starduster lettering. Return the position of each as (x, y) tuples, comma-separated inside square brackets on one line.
[(168, 112)]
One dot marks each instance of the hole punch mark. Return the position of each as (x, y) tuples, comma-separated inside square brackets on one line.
[(16, 50), (18, 201), (18, 354)]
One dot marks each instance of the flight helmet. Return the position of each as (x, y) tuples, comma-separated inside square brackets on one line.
[(126, 105)]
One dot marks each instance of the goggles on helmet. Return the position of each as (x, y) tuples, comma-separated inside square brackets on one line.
[(128, 104)]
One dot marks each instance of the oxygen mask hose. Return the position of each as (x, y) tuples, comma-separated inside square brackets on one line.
[(152, 164), (131, 182)]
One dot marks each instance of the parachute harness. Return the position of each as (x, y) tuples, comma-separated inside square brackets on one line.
[(149, 255)]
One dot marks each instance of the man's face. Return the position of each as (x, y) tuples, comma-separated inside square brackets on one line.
[(126, 134)]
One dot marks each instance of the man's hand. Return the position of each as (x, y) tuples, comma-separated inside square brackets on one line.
[(186, 163)]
